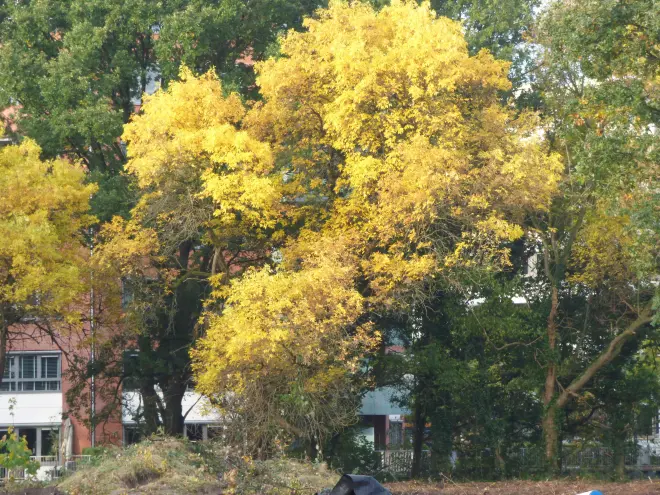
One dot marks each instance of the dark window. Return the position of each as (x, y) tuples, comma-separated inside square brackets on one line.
[(132, 435), (31, 372), (50, 367), (49, 442), (8, 387), (214, 432), (30, 435), (28, 367), (131, 370), (195, 432), (9, 373), (396, 433), (3, 449)]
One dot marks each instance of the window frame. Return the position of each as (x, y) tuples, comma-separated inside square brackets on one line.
[(13, 381)]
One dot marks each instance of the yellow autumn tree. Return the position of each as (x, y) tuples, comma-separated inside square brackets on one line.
[(284, 352), (208, 203), (44, 209), (211, 205), (196, 167), (399, 165), (399, 135)]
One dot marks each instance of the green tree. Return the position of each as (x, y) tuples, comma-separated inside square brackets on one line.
[(626, 398), (76, 69), (16, 455), (598, 81)]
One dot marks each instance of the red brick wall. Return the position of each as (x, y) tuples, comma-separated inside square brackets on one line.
[(28, 337)]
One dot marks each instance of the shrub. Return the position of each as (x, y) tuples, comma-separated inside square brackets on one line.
[(351, 452)]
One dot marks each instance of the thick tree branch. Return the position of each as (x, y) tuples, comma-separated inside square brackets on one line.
[(605, 358)]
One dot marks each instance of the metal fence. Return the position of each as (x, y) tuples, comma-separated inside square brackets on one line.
[(575, 459), (399, 462), (50, 467)]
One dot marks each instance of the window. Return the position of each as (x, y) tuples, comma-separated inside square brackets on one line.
[(396, 433), (9, 376), (132, 434), (50, 367), (131, 370), (127, 293), (28, 367), (32, 373), (50, 441), (214, 432), (195, 432)]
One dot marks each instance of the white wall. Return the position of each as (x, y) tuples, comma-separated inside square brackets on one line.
[(381, 402), (201, 410), (31, 409), (200, 413)]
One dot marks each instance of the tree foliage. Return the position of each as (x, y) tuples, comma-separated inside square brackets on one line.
[(74, 70), (206, 205), (399, 160), (277, 226), (601, 100), (44, 209), (16, 454)]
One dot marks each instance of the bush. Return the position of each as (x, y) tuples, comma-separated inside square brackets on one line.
[(351, 452), (15, 454)]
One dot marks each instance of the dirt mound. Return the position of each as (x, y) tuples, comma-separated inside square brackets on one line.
[(525, 488), (167, 466)]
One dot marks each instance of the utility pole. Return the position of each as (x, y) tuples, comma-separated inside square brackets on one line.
[(92, 328)]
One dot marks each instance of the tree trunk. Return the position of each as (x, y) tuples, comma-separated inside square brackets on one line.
[(551, 438), (312, 449), (500, 464), (549, 424), (418, 439), (149, 408), (4, 332), (173, 414), (553, 404), (619, 454), (147, 386), (442, 431)]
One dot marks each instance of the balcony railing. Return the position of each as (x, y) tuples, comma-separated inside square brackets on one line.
[(50, 467)]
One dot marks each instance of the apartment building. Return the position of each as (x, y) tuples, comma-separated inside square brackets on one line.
[(33, 400), (33, 394)]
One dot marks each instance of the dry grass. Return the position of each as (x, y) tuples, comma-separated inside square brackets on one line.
[(166, 466), (150, 467)]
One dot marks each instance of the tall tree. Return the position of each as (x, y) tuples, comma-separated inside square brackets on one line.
[(599, 86), (76, 69), (398, 158), (206, 210)]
